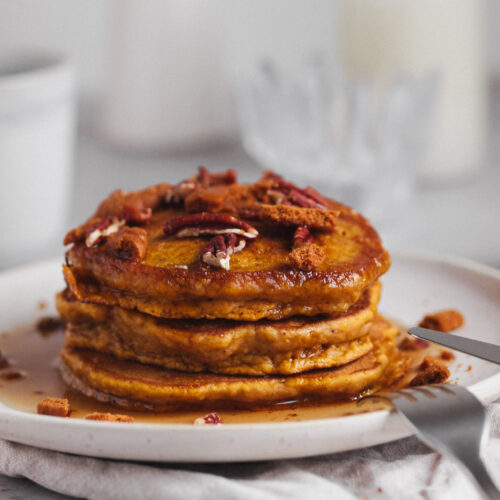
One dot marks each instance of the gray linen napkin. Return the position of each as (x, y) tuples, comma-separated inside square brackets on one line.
[(405, 469)]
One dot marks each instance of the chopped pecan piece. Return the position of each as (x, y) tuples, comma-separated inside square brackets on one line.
[(134, 215), (410, 344), (307, 257), (312, 194), (443, 321), (113, 206), (151, 197), (220, 248), (204, 223), (49, 324), (302, 236), (109, 417), (211, 419), (56, 407), (207, 178), (11, 375), (280, 191), (177, 194), (431, 371), (447, 356), (229, 199), (299, 199), (129, 243), (100, 230)]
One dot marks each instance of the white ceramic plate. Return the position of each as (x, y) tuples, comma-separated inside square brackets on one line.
[(416, 284)]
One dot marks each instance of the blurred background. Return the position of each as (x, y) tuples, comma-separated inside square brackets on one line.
[(391, 106)]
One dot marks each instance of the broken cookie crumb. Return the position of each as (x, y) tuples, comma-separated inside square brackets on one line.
[(11, 375), (286, 215), (56, 407), (431, 371), (109, 417), (443, 321), (447, 356), (49, 324), (307, 257)]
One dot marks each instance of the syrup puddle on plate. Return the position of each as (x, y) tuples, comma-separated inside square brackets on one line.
[(36, 356)]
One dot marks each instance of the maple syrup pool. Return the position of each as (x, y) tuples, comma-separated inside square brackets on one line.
[(36, 356)]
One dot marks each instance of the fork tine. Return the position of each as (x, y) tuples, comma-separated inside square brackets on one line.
[(446, 388), (404, 394), (426, 392)]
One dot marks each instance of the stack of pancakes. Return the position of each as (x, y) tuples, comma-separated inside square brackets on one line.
[(213, 293)]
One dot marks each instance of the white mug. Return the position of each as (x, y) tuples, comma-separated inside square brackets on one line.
[(36, 146)]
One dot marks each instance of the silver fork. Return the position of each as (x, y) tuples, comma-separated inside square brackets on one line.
[(452, 421)]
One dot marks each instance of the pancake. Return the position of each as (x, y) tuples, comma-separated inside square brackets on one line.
[(139, 386), (99, 338), (221, 346), (167, 279)]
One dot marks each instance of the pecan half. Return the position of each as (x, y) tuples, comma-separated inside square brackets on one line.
[(101, 229), (113, 206), (211, 418), (302, 236), (207, 178), (287, 193), (312, 194), (219, 249), (134, 215), (177, 194), (192, 225), (224, 199), (129, 243)]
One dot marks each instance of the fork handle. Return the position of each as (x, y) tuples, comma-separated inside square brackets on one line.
[(481, 476)]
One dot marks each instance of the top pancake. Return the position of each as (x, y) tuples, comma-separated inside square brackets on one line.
[(263, 280)]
